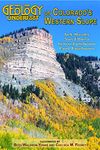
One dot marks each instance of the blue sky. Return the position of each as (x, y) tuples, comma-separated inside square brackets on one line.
[(58, 31)]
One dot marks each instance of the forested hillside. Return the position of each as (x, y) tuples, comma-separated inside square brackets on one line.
[(88, 76), (43, 114)]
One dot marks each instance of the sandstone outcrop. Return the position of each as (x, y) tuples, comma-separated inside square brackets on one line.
[(34, 58)]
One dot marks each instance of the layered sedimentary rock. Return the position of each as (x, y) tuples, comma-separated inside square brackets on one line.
[(34, 58)]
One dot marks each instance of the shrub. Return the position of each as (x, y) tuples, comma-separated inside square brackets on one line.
[(6, 141)]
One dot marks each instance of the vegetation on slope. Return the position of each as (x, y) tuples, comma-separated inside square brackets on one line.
[(49, 116), (71, 63)]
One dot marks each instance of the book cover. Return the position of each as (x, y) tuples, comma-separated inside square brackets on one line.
[(49, 75)]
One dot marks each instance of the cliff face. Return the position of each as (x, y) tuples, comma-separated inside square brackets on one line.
[(34, 58)]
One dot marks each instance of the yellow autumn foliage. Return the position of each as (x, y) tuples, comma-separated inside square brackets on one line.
[(54, 114), (90, 128), (93, 143), (6, 39), (66, 104), (1, 96)]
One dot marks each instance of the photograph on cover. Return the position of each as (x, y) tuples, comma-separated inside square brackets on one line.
[(49, 75)]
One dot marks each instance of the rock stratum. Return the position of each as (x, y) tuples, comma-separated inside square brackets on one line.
[(33, 58)]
